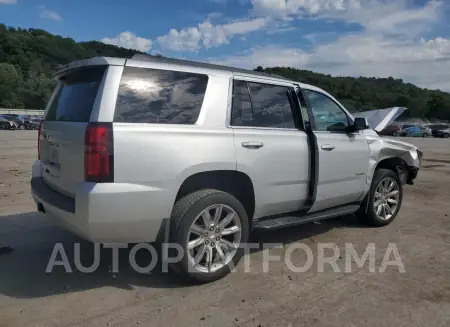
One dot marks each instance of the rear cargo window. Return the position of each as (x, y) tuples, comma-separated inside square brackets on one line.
[(76, 97), (159, 96)]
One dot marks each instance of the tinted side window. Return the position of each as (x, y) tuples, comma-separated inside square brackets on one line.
[(159, 96), (328, 115), (241, 112), (271, 105)]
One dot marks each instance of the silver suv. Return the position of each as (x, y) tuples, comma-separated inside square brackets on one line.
[(130, 146)]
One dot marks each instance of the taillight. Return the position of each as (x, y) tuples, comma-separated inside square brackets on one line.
[(39, 139), (98, 153)]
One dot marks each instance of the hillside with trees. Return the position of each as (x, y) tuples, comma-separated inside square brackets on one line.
[(29, 56), (360, 94)]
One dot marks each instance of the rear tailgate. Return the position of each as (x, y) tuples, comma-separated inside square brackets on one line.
[(64, 126)]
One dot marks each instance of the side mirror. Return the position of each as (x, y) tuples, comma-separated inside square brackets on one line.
[(360, 124)]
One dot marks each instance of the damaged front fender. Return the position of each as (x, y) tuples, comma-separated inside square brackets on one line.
[(390, 153)]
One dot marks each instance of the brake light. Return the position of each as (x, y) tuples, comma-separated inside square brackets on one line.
[(39, 139), (98, 153)]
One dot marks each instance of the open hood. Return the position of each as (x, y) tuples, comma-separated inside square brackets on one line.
[(378, 119)]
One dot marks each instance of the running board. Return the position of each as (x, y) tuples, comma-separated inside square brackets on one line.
[(292, 220)]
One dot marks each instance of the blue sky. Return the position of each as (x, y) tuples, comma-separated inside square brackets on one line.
[(407, 39)]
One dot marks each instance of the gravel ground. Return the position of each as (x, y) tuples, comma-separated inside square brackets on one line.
[(420, 296)]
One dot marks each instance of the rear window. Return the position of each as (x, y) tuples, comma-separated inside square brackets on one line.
[(76, 96), (159, 96)]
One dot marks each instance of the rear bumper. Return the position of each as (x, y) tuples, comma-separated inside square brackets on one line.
[(106, 213)]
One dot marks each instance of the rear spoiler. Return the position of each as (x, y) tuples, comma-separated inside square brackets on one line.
[(96, 61)]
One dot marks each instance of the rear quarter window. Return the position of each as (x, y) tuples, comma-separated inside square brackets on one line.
[(159, 96), (76, 96)]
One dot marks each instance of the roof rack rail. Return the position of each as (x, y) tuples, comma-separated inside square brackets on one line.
[(161, 59)]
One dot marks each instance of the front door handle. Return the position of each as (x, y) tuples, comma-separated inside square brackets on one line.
[(327, 147), (252, 145)]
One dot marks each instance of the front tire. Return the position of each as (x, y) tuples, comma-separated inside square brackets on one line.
[(384, 200), (446, 135), (211, 227)]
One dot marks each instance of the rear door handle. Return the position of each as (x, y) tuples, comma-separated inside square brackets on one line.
[(327, 147), (252, 145)]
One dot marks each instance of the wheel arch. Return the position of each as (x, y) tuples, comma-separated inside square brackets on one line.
[(233, 182), (397, 165)]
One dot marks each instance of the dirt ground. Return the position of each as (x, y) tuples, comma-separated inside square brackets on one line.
[(420, 296)]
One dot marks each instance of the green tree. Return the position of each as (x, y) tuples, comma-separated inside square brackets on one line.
[(437, 107), (9, 81)]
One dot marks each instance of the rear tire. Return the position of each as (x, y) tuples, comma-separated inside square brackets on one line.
[(386, 190), (189, 228), (22, 127), (446, 136), (425, 135)]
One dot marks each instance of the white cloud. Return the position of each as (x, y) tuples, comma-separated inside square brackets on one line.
[(390, 42), (208, 35), (425, 62), (393, 17), (269, 56), (48, 14), (130, 41), (374, 15), (301, 7), (214, 15), (8, 2), (278, 30)]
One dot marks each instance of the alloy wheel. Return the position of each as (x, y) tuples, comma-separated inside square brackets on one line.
[(386, 198), (213, 238)]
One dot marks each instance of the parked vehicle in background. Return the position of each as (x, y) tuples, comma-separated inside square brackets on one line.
[(157, 149), (390, 130), (36, 121), (445, 133), (6, 124), (436, 128), (13, 120), (22, 122), (414, 131), (405, 126)]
